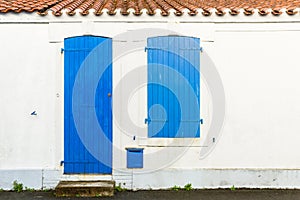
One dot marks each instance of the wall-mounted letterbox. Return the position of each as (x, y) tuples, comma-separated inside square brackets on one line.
[(135, 157)]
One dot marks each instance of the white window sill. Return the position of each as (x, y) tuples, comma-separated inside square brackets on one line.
[(171, 142)]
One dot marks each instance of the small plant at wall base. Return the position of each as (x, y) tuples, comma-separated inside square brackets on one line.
[(29, 189), (118, 188), (1, 190), (232, 188), (188, 187), (18, 187), (175, 188)]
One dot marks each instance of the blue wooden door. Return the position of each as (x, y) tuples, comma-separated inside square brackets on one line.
[(173, 87), (87, 105)]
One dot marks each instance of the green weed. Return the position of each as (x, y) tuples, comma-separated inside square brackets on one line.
[(232, 188), (118, 188), (29, 189), (188, 187), (18, 187), (175, 188)]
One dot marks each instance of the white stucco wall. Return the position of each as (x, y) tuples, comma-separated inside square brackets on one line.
[(27, 84), (258, 66)]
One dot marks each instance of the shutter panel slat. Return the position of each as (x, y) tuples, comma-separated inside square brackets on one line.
[(170, 111)]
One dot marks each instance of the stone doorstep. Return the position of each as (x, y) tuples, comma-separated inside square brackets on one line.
[(84, 188)]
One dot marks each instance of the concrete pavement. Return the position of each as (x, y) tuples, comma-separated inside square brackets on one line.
[(238, 194)]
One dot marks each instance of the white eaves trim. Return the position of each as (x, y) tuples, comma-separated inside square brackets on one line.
[(118, 17)]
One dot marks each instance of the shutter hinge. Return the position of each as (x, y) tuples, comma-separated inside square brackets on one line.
[(166, 49), (62, 163), (201, 121), (147, 121), (62, 50), (153, 48)]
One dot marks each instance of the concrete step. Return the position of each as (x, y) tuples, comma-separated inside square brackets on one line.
[(85, 188)]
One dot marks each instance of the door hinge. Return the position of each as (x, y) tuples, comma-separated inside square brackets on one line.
[(196, 121), (147, 121)]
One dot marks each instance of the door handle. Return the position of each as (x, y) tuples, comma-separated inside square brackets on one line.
[(109, 94)]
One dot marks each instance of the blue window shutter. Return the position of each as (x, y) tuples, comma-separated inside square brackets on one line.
[(173, 87), (78, 159)]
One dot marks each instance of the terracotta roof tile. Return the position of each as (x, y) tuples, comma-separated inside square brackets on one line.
[(219, 7)]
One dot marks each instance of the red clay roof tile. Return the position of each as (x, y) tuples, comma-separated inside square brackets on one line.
[(264, 7)]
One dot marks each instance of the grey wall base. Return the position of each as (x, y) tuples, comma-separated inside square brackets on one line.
[(133, 179), (37, 179), (210, 178)]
